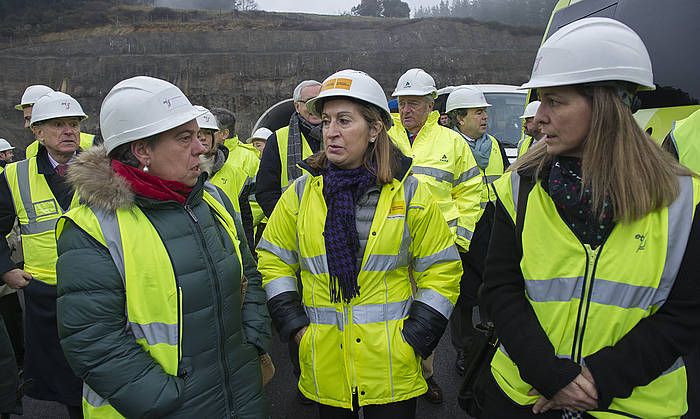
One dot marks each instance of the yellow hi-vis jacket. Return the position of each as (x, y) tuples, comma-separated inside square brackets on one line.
[(86, 141), (153, 312), (282, 136), (686, 138), (359, 346), (37, 212), (244, 156), (231, 179), (444, 162), (594, 297)]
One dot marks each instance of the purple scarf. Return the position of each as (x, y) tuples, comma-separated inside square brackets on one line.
[(341, 189)]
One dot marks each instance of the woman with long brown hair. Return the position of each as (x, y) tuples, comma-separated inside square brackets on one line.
[(590, 277)]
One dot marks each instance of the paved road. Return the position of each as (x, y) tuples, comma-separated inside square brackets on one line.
[(282, 391)]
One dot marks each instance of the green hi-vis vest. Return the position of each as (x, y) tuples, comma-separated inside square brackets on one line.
[(493, 171), (86, 141), (524, 145), (37, 212), (153, 313), (686, 138), (587, 299), (282, 135)]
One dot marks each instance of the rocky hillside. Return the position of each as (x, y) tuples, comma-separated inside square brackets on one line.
[(249, 61)]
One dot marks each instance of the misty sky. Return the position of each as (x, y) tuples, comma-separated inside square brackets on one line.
[(331, 7)]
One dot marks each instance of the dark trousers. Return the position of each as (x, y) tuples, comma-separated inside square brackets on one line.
[(405, 409), (11, 312), (692, 365), (45, 368), (461, 329)]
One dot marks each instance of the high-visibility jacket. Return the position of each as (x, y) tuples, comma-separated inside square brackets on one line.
[(594, 297), (282, 136), (244, 156), (524, 145), (86, 141), (359, 346), (37, 212), (686, 138), (153, 312), (444, 161), (231, 179)]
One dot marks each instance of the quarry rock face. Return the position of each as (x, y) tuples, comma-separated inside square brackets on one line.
[(248, 62)]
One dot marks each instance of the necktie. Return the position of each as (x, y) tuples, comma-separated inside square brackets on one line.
[(61, 169)]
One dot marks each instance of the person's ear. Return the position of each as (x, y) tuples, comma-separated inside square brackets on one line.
[(142, 152)]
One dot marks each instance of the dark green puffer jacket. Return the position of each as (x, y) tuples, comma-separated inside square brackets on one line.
[(219, 374)]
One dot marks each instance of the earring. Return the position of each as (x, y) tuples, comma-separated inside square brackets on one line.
[(145, 168), (371, 140)]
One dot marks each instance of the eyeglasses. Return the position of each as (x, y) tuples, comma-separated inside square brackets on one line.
[(305, 100)]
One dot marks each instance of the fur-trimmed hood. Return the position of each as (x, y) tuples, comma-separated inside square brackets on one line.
[(96, 183)]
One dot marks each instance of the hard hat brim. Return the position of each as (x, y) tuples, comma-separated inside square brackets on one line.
[(150, 130)]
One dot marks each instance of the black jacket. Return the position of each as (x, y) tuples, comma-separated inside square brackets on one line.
[(267, 182), (649, 349)]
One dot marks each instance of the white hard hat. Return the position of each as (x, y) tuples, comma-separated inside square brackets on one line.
[(140, 107), (354, 84), (466, 98), (261, 133), (531, 109), (56, 105), (207, 120), (415, 82), (32, 94), (591, 50), (5, 145)]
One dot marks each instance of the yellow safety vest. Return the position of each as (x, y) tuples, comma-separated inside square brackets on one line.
[(686, 138), (244, 156), (231, 179), (282, 136), (444, 162), (524, 145), (37, 211), (154, 312), (493, 172), (359, 345), (618, 284), (86, 141)]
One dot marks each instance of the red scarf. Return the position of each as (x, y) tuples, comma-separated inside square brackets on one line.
[(149, 186)]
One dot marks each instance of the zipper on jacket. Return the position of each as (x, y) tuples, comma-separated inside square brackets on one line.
[(219, 313), (592, 256)]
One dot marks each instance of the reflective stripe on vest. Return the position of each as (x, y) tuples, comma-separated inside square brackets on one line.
[(624, 281), (153, 314), (361, 314), (494, 170), (37, 211)]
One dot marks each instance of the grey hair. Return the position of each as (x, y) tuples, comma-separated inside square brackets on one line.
[(306, 83)]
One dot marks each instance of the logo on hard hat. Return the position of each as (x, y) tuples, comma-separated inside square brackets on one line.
[(66, 104), (339, 83), (407, 85), (174, 102), (206, 118)]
